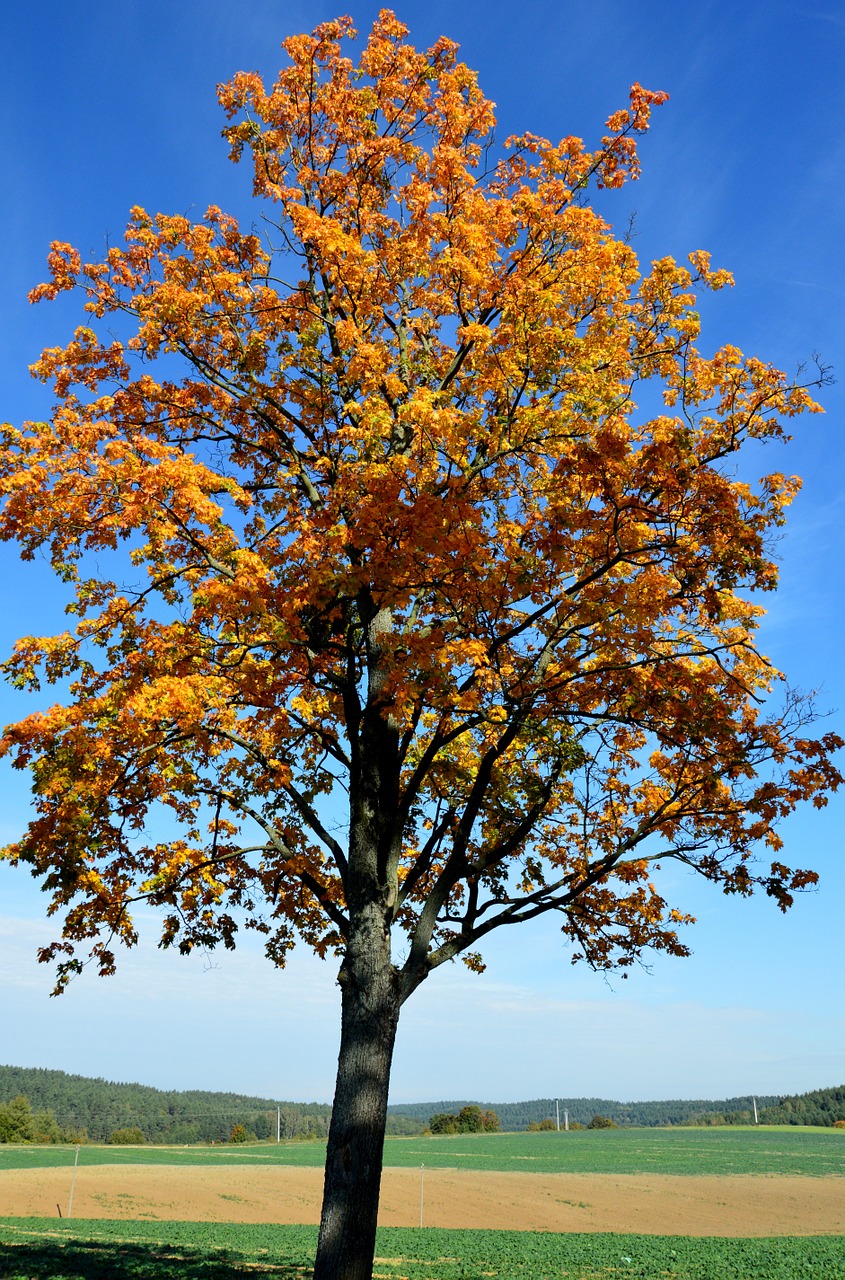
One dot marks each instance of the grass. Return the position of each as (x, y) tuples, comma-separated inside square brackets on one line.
[(43, 1249), (763, 1150)]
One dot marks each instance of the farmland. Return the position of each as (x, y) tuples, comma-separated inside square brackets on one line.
[(685, 1204), (36, 1250), (779, 1151)]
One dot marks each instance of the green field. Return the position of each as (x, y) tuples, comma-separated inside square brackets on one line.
[(49, 1249), (781, 1150), (41, 1249)]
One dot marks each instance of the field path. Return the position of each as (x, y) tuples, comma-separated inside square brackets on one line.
[(652, 1204)]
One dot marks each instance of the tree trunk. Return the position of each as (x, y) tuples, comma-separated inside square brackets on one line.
[(370, 1012)]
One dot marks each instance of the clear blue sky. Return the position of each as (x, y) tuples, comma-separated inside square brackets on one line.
[(106, 105)]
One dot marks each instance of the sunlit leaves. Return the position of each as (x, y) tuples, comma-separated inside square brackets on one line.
[(401, 567)]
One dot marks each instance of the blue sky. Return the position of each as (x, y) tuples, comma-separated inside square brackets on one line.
[(109, 105)]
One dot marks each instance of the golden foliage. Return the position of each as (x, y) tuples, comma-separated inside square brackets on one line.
[(407, 540)]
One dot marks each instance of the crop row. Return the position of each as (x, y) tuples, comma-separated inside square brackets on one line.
[(42, 1249), (813, 1152)]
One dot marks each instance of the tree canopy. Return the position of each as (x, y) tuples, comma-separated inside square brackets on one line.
[(470, 1119), (421, 625), (391, 481)]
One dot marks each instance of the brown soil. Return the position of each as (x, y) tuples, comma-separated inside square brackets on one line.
[(651, 1204)]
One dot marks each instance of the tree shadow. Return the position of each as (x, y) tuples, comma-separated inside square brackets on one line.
[(113, 1260)]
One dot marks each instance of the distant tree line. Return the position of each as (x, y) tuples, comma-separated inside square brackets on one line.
[(53, 1106), (83, 1109), (518, 1116), (822, 1107)]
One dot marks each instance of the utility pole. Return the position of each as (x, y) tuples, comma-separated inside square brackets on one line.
[(73, 1183), (557, 1113), (278, 1124), (754, 1104), (566, 1119)]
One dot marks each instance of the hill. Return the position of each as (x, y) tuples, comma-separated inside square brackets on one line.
[(101, 1106), (195, 1115), (822, 1106), (516, 1116), (183, 1116)]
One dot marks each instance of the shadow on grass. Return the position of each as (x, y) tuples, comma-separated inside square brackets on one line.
[(113, 1260)]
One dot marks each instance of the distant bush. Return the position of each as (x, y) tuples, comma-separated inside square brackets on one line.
[(240, 1133), (602, 1122), (839, 1124), (470, 1119), (545, 1126), (131, 1136)]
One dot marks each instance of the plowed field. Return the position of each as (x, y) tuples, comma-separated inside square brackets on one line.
[(647, 1203)]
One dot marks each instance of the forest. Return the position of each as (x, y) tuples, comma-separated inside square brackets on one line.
[(516, 1116), (98, 1108), (40, 1105), (822, 1106)]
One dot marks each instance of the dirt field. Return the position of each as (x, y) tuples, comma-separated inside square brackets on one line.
[(652, 1204)]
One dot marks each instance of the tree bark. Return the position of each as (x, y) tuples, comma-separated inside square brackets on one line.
[(370, 1013)]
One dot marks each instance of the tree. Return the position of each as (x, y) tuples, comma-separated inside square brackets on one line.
[(20, 1123), (17, 1123), (432, 631), (262, 1128), (471, 1119), (444, 1122), (127, 1137), (602, 1122)]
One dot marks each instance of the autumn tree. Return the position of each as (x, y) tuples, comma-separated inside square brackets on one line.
[(602, 1122), (470, 1119), (491, 1122), (418, 627)]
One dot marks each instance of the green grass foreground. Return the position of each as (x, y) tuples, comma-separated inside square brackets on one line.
[(775, 1150), (44, 1249)]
